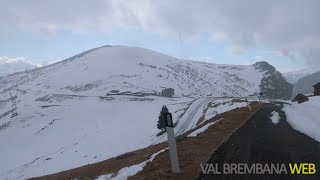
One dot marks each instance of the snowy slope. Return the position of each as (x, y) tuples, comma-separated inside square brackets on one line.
[(105, 102), (305, 84), (9, 66), (139, 70), (294, 76)]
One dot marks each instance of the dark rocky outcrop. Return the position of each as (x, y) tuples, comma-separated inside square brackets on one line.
[(273, 84), (300, 98)]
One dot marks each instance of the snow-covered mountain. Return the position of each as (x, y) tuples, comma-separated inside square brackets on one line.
[(294, 76), (137, 70), (305, 84), (105, 102), (9, 66), (303, 80), (127, 69)]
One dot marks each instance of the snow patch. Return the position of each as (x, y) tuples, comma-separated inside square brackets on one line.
[(275, 117), (126, 172), (222, 108), (305, 117), (104, 177), (200, 130)]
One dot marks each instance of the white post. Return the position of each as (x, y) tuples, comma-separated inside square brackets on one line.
[(249, 107), (173, 150), (172, 146)]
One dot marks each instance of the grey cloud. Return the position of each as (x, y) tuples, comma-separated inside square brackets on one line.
[(238, 50), (288, 26)]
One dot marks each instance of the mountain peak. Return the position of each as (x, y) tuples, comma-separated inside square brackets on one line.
[(264, 66)]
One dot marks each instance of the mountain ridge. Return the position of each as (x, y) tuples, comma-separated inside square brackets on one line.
[(305, 84), (170, 64), (10, 66), (294, 76)]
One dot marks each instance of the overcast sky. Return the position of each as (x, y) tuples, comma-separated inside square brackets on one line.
[(285, 33)]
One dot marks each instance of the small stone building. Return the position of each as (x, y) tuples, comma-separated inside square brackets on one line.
[(169, 92), (317, 89), (300, 98)]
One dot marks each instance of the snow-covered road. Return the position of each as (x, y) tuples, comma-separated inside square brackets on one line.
[(193, 117)]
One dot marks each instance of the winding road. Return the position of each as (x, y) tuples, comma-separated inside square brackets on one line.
[(180, 129), (261, 141)]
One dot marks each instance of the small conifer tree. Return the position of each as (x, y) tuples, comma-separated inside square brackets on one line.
[(162, 118)]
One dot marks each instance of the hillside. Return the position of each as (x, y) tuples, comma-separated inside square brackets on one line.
[(305, 84), (139, 70), (105, 102), (294, 76)]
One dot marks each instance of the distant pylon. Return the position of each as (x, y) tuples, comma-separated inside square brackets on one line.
[(14, 104)]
